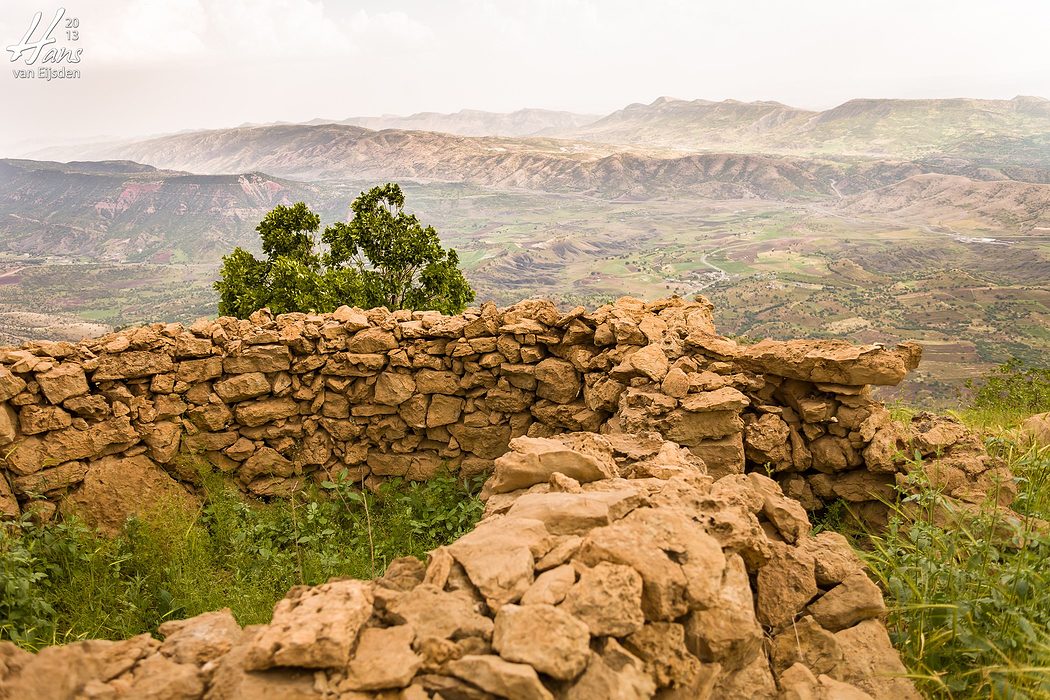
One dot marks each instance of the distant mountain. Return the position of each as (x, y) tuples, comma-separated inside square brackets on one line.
[(120, 210), (472, 122), (861, 127), (341, 152)]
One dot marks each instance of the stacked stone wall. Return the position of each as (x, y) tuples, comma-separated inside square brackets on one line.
[(276, 402)]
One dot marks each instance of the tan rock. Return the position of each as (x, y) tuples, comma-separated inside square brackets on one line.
[(371, 340), (550, 587), (433, 612), (608, 598), (499, 555), (799, 683), (60, 477), (131, 364), (262, 411), (853, 600), (258, 358), (265, 461), (313, 627), (1037, 429), (199, 639), (727, 632), (873, 664), (786, 584), (724, 399), (500, 678), (62, 382), (644, 540), (443, 410), (808, 643), (10, 385), (487, 442), (116, 488), (614, 674), (650, 362), (384, 659), (394, 388), (557, 380), (661, 647), (547, 638), (241, 387), (832, 361), (533, 461), (834, 558), (8, 424)]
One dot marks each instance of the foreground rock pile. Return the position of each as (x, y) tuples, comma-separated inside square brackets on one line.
[(98, 428), (606, 567)]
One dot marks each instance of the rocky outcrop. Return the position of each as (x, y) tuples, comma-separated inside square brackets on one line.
[(646, 578), (278, 401)]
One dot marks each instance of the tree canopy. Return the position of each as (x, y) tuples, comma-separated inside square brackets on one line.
[(382, 257)]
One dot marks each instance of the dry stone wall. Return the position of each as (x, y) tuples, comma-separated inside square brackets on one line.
[(98, 427), (607, 567)]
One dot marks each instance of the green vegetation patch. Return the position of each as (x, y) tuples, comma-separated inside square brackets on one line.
[(60, 582)]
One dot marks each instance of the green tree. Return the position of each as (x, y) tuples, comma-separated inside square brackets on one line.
[(382, 257)]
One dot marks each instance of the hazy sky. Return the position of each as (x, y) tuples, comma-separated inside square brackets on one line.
[(151, 66)]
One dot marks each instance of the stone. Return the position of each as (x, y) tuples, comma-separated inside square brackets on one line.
[(727, 632), (550, 587), (241, 387), (262, 411), (533, 461), (487, 442), (613, 674), (132, 364), (433, 612), (650, 362), (799, 683), (62, 382), (689, 428), (645, 540), (384, 659), (786, 584), (575, 513), (873, 664), (371, 340), (499, 677), (394, 388), (1037, 429), (199, 639), (724, 399), (429, 381), (265, 461), (607, 598), (8, 424), (60, 477), (313, 627), (834, 558), (855, 599), (661, 647), (808, 643), (258, 358), (116, 488), (443, 410), (499, 555), (557, 381), (832, 361), (10, 385), (547, 638), (192, 371)]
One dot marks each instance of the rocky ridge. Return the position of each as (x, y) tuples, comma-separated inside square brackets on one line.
[(606, 567), (97, 428)]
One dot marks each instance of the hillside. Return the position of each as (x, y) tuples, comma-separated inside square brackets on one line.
[(473, 122), (861, 127), (124, 211)]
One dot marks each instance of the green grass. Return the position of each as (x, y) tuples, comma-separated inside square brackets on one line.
[(970, 597), (61, 582)]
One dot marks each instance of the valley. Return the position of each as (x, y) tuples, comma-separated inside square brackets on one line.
[(780, 216)]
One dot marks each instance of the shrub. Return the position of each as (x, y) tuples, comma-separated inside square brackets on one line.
[(1010, 393)]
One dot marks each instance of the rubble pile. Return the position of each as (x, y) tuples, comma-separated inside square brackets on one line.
[(607, 566)]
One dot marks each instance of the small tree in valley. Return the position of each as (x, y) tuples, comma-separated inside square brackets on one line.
[(382, 257)]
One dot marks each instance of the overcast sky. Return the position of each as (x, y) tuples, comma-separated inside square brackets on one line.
[(153, 66)]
